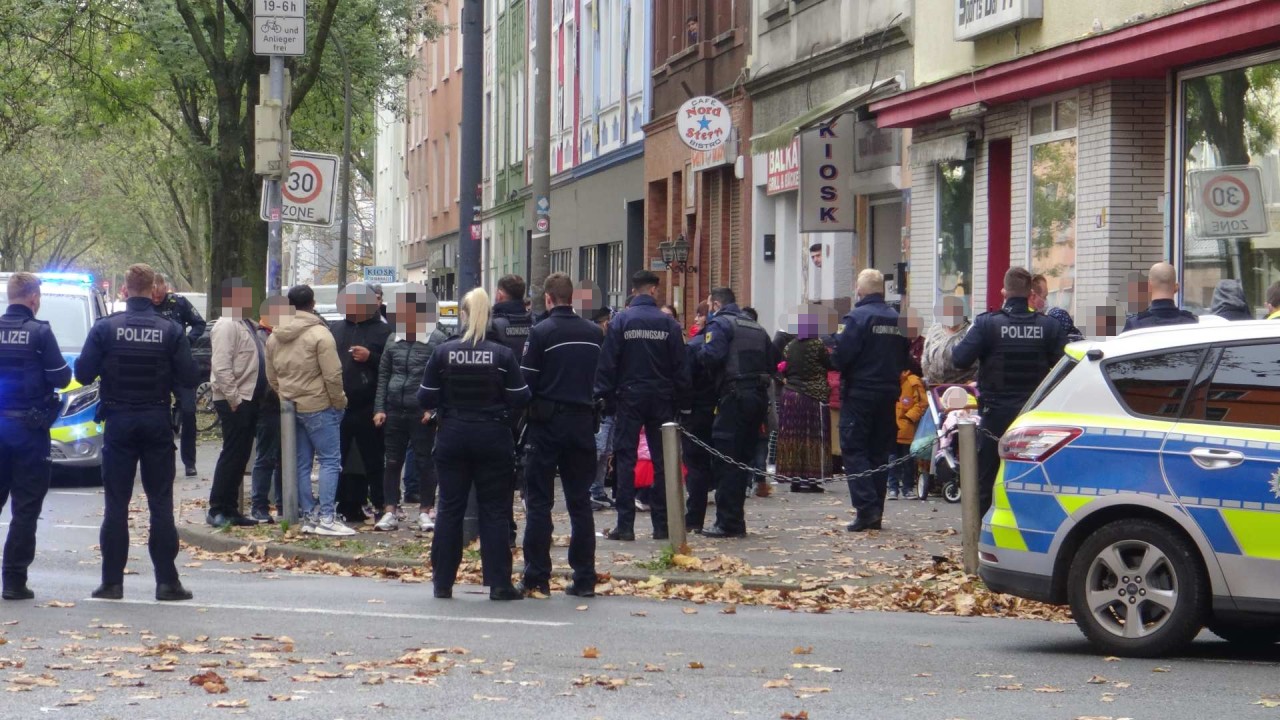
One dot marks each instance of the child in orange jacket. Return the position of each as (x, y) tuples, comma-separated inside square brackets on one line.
[(912, 405)]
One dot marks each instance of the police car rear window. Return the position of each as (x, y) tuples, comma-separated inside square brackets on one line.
[(1056, 376), (1154, 385)]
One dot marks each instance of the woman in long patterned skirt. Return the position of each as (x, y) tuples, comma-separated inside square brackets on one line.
[(804, 425)]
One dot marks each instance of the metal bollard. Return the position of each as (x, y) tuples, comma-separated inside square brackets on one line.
[(971, 521), (674, 486), (289, 462)]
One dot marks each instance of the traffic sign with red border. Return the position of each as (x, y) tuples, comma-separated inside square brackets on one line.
[(308, 190)]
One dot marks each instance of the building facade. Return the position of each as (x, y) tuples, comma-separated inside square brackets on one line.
[(1087, 141), (391, 183), (508, 56)]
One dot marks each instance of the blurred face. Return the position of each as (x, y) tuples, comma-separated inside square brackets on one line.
[(236, 301), (1039, 296), (586, 298), (276, 311), (357, 302), (159, 290), (668, 312), (414, 312), (952, 312)]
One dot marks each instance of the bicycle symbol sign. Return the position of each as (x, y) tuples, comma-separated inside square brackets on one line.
[(279, 27)]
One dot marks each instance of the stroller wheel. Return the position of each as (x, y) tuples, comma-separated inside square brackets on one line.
[(922, 486), (951, 492)]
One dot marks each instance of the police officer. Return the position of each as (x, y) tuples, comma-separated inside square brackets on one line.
[(1015, 347), (32, 369), (1163, 284), (698, 422), (870, 354), (141, 357), (739, 355), (180, 310), (509, 325), (475, 385), (560, 366), (644, 376)]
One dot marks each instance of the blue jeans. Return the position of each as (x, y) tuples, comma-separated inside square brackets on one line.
[(319, 438), (604, 448)]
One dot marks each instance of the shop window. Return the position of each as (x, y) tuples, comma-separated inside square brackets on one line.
[(615, 286), (1228, 120), (955, 231), (1052, 215)]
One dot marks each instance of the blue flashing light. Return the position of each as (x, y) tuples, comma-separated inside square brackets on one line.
[(67, 277)]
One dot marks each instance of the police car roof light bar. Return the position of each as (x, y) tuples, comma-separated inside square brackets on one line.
[(67, 277)]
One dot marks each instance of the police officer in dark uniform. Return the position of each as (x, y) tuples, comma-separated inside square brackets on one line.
[(475, 385), (1163, 284), (871, 353), (141, 357), (739, 355), (509, 325), (174, 307), (1015, 347), (32, 370), (560, 367), (643, 374), (698, 422)]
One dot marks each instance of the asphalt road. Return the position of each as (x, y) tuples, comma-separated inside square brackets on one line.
[(526, 659)]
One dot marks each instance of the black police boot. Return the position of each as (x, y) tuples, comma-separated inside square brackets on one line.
[(864, 523), (503, 594), (191, 471), (618, 534), (661, 534), (17, 590), (443, 592), (528, 588), (166, 592), (109, 591), (715, 531), (584, 590)]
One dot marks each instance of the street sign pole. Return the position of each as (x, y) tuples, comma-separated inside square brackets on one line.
[(275, 202)]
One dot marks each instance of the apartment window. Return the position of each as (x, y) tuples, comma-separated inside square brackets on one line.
[(435, 177), (457, 186), (433, 65), (447, 176), (635, 65), (955, 232), (1052, 215), (610, 51), (589, 57), (570, 78), (458, 65), (562, 261), (488, 116), (446, 38)]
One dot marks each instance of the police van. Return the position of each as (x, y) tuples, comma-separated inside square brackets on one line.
[(1141, 486), (71, 304)]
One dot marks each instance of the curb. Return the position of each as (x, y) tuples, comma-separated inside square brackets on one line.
[(217, 541)]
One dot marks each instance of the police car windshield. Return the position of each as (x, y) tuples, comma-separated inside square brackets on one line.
[(68, 315)]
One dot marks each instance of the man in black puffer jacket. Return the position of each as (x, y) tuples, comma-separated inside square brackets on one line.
[(396, 410)]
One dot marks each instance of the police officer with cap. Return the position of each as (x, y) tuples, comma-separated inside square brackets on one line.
[(644, 375), (1015, 347), (560, 366), (698, 422), (741, 358), (475, 385), (871, 353), (140, 357), (509, 325), (172, 306), (1163, 283), (32, 370)]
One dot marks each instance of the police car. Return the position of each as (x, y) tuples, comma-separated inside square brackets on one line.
[(71, 304), (1141, 486)]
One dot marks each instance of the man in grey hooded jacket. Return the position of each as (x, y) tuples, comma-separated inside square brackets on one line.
[(1229, 302)]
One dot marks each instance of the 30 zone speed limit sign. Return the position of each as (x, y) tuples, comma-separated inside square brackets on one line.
[(1228, 202), (308, 190)]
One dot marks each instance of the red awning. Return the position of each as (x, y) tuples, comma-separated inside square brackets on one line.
[(1148, 49)]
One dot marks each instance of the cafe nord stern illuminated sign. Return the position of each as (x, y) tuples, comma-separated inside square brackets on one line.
[(975, 18)]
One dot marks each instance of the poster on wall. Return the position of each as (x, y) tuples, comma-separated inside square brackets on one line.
[(829, 268), (827, 202)]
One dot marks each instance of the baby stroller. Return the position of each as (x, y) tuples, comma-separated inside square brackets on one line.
[(935, 442)]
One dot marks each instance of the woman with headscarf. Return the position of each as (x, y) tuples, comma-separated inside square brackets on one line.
[(940, 341), (804, 425)]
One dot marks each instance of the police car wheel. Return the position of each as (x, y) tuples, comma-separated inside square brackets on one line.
[(1246, 634), (1137, 589)]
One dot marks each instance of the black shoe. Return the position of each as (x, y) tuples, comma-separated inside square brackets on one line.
[(583, 590), (242, 521), (109, 592), (17, 592), (715, 531), (443, 593), (412, 499), (661, 535), (862, 525), (192, 472), (617, 534), (696, 531), (599, 505), (503, 594), (262, 517), (166, 592), (527, 589), (217, 519)]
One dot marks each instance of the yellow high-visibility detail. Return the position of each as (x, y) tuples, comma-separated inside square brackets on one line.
[(1008, 538), (79, 431), (1004, 524), (1229, 432), (1075, 351), (1072, 503), (1257, 532), (1045, 417)]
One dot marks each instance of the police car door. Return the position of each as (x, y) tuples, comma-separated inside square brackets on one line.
[(1222, 459)]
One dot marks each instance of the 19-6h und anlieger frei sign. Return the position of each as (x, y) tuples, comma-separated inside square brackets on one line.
[(279, 27)]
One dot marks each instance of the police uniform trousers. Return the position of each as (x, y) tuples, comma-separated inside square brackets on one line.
[(24, 477), (996, 419), (473, 453), (406, 436), (868, 434), (133, 438), (647, 412), (698, 465), (362, 463), (736, 432), (186, 406), (566, 443)]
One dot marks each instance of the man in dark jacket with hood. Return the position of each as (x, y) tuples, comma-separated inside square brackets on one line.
[(1229, 302)]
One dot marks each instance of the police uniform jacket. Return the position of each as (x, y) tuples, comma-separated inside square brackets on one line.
[(1161, 312), (561, 357), (510, 325), (737, 351), (32, 368), (400, 373), (360, 379), (705, 394), (473, 382), (871, 351), (140, 356), (643, 354), (1015, 347), (180, 310)]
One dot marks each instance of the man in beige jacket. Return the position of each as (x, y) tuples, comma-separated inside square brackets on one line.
[(303, 367), (239, 381)]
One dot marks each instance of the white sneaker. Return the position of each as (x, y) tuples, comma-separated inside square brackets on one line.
[(308, 525), (641, 506), (333, 527), (388, 522), (426, 523), (893, 495)]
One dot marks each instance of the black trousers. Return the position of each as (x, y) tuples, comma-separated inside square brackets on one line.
[(567, 443), (995, 420), (402, 431), (645, 413), (185, 402), (698, 464), (24, 476), (133, 438), (736, 432), (868, 434), (471, 454), (239, 427), (362, 464)]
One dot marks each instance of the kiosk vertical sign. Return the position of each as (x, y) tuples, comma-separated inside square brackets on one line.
[(827, 202)]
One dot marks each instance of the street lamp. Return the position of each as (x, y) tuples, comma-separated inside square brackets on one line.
[(346, 163), (675, 255)]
